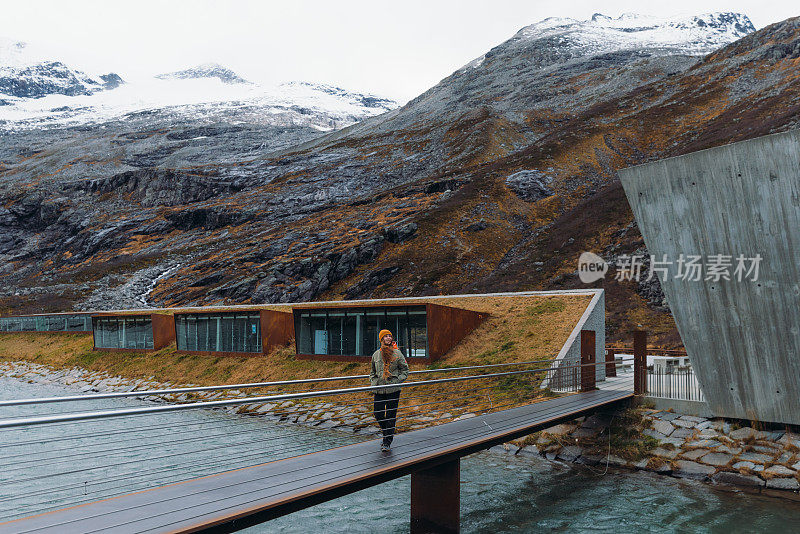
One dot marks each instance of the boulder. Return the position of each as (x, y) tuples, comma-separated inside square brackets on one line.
[(780, 471), (585, 433), (693, 418), (559, 430), (672, 440), (789, 439), (683, 423), (663, 427), (682, 433), (595, 421), (398, 234), (503, 448), (743, 433), (528, 450), (766, 449), (477, 226), (737, 479), (716, 458), (588, 459), (641, 464), (704, 443), (725, 448), (664, 453), (783, 484), (530, 185), (745, 465), (654, 434), (693, 470), (616, 460), (570, 453), (694, 454), (754, 457)]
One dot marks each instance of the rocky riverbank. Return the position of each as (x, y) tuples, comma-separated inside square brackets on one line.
[(709, 450)]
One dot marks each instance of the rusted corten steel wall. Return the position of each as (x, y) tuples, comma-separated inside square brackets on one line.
[(277, 329), (163, 330), (447, 326), (742, 337)]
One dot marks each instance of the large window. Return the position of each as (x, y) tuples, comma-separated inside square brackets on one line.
[(219, 332), (354, 331), (47, 323), (123, 333)]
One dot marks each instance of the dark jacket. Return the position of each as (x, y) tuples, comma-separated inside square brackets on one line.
[(398, 371)]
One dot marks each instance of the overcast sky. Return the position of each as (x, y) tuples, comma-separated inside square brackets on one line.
[(397, 49)]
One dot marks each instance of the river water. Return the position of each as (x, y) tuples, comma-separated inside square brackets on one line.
[(499, 492)]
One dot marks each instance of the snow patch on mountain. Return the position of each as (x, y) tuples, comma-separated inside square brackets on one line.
[(206, 70), (319, 106), (695, 35)]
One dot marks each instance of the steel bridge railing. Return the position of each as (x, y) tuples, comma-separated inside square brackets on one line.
[(249, 385)]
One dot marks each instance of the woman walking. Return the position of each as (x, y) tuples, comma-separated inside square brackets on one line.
[(388, 367)]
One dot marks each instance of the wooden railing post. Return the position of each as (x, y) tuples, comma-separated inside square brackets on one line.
[(436, 499), (588, 371), (640, 362), (611, 363)]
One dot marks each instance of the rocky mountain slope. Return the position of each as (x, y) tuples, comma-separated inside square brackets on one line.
[(495, 179)]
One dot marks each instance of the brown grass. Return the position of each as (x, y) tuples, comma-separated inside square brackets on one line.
[(519, 329)]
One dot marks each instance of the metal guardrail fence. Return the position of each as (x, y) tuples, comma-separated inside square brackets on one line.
[(676, 383), (668, 375)]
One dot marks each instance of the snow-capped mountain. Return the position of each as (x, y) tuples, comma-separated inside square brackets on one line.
[(206, 70), (39, 93), (319, 106), (24, 73), (695, 35)]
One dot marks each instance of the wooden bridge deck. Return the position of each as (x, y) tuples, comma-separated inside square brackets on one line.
[(236, 499)]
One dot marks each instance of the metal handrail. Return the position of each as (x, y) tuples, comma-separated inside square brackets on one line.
[(650, 350), (82, 416), (147, 393)]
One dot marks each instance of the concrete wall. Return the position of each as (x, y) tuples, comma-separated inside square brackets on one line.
[(593, 318), (742, 337)]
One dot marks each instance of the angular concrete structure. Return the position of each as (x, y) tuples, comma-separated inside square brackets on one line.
[(742, 337)]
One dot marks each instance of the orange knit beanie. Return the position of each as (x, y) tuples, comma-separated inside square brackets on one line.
[(383, 333)]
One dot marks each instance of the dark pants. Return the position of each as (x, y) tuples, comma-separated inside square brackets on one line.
[(385, 410)]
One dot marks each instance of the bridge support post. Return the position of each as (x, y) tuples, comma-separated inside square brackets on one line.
[(640, 362), (436, 499), (588, 371)]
